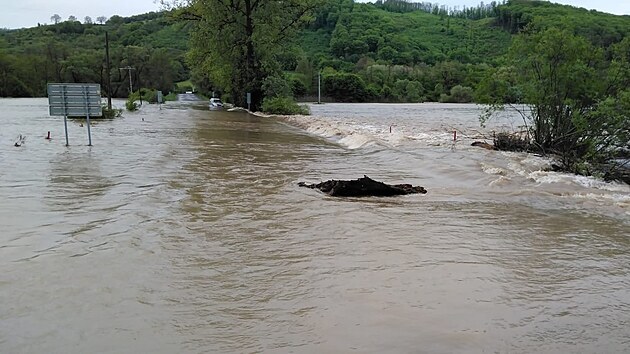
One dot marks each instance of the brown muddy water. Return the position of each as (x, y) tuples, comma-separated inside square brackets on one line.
[(186, 232)]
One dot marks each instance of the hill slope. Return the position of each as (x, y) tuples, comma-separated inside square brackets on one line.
[(400, 51)]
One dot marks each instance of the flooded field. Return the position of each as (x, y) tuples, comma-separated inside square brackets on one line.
[(183, 230)]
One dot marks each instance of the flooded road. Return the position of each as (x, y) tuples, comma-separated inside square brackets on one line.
[(182, 230)]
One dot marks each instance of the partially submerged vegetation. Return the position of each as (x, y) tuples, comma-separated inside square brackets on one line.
[(569, 65), (389, 51), (578, 98), (111, 113), (284, 106), (146, 96)]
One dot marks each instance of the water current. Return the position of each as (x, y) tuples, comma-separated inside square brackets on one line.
[(183, 230)]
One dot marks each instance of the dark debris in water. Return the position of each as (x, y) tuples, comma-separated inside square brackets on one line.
[(363, 187)]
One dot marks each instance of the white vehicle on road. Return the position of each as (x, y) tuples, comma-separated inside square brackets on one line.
[(215, 103)]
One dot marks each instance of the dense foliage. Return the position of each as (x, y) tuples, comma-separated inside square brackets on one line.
[(283, 105), (390, 51), (569, 65), (71, 51), (401, 56), (578, 102), (234, 44)]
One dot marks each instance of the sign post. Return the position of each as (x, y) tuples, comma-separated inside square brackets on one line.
[(160, 99), (319, 87), (249, 101), (75, 100)]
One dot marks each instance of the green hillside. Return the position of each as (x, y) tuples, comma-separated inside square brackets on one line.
[(74, 52), (412, 37), (392, 51)]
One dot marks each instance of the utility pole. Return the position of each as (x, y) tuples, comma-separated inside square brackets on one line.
[(319, 87), (107, 67), (130, 84)]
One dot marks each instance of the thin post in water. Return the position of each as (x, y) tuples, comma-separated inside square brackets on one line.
[(65, 113), (87, 115)]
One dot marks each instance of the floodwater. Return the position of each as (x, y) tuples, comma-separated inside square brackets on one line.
[(183, 230)]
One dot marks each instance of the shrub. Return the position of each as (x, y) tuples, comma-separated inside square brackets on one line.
[(345, 87), (131, 104), (111, 113), (149, 95), (297, 87), (461, 94), (511, 142), (284, 106), (172, 96), (274, 86)]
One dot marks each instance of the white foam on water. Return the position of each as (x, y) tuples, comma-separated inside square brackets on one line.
[(349, 133), (501, 181), (493, 170), (620, 199), (548, 177), (360, 129), (582, 181), (433, 138), (357, 140), (592, 182)]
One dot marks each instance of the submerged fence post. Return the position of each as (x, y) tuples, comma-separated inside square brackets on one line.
[(87, 116), (319, 87), (65, 124), (65, 112)]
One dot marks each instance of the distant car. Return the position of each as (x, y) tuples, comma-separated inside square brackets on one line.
[(215, 103), (189, 92)]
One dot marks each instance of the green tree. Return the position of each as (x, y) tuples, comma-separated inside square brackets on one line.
[(160, 71), (400, 90), (345, 87), (461, 94), (414, 91), (10, 83), (578, 103), (559, 80), (235, 41), (498, 85)]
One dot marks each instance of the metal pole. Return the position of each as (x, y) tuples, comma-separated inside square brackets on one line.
[(65, 124), (87, 116), (139, 88), (65, 115), (128, 67), (130, 84), (109, 81), (319, 87), (89, 132)]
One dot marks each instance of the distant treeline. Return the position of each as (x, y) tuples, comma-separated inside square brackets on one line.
[(400, 51), (472, 13), (392, 51), (71, 51)]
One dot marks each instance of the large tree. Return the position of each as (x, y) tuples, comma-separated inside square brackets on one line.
[(578, 102), (235, 41)]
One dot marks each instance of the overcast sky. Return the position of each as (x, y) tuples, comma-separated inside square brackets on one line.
[(27, 13)]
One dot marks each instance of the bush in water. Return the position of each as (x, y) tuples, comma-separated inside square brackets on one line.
[(131, 104), (284, 106), (111, 113)]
